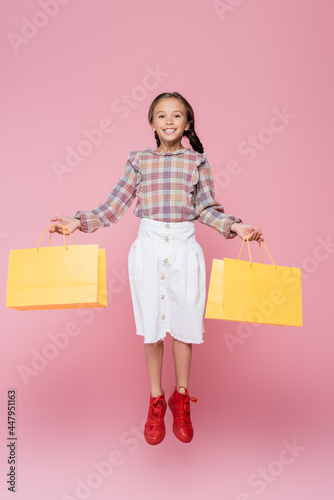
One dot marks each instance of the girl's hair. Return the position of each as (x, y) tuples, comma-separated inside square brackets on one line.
[(190, 133)]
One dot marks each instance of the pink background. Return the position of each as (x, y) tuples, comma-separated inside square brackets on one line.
[(238, 65)]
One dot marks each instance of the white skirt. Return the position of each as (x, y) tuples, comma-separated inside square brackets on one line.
[(167, 281)]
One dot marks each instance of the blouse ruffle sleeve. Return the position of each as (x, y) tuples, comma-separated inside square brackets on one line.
[(210, 212), (119, 200)]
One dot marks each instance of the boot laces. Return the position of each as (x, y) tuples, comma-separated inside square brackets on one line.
[(156, 410), (184, 408)]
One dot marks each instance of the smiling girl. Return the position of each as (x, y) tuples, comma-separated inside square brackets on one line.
[(174, 187)]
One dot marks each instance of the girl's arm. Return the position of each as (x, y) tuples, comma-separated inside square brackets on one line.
[(119, 200), (210, 212)]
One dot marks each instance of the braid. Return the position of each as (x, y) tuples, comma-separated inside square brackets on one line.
[(157, 138), (190, 133), (194, 139)]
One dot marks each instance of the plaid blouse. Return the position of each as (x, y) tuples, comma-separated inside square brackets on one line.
[(173, 186)]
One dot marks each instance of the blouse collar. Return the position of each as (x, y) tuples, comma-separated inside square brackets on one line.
[(168, 152)]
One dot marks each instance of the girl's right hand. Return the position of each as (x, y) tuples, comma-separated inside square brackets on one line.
[(69, 223)]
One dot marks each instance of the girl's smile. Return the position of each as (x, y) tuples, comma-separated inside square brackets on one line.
[(169, 131)]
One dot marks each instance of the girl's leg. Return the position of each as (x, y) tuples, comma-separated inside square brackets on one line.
[(182, 360), (154, 355)]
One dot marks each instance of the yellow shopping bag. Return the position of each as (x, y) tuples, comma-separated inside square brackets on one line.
[(59, 277), (254, 292)]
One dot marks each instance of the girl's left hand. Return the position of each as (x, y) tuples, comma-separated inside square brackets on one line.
[(243, 230)]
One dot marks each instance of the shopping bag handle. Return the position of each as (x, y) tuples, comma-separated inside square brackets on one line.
[(250, 257), (51, 225)]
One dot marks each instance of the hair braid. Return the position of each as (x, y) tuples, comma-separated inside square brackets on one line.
[(194, 139)]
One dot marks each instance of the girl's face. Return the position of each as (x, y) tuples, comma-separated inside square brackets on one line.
[(169, 121)]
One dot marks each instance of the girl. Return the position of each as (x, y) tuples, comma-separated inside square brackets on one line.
[(174, 186)]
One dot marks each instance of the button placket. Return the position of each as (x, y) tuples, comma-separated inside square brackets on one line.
[(164, 268)]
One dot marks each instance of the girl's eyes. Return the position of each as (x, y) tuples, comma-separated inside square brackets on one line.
[(161, 116)]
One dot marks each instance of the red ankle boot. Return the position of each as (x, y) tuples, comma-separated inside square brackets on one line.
[(179, 405), (155, 430)]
